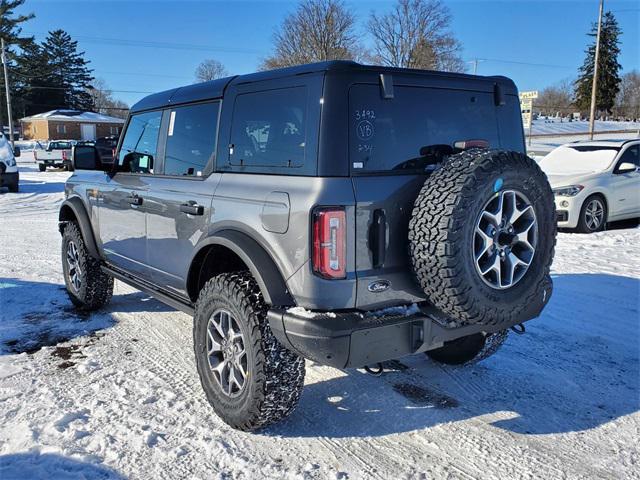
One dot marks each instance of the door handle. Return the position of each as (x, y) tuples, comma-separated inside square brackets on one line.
[(134, 200), (378, 238), (192, 208)]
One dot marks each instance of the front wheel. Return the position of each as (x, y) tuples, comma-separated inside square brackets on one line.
[(250, 380), (89, 288), (593, 215)]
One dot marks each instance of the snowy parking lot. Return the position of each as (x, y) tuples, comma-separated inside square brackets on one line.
[(116, 394)]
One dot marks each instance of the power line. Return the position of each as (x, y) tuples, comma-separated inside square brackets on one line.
[(516, 62), (147, 44), (63, 88)]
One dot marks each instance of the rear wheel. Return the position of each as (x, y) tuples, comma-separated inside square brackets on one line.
[(250, 380), (593, 214), (469, 349), (42, 167)]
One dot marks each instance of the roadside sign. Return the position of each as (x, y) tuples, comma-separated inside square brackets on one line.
[(528, 95), (526, 107)]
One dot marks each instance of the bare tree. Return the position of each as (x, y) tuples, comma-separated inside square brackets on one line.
[(210, 69), (628, 99), (556, 99), (416, 34), (104, 102), (318, 30)]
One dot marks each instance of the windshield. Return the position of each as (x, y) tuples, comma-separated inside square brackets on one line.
[(578, 159)]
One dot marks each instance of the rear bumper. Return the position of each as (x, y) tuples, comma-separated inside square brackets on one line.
[(355, 339)]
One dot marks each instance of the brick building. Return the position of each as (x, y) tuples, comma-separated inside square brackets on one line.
[(69, 125)]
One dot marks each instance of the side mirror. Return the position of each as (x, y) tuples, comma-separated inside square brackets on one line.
[(626, 167), (85, 157), (16, 152)]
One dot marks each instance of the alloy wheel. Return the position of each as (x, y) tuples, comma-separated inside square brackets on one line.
[(227, 353), (594, 214), (73, 262), (505, 239)]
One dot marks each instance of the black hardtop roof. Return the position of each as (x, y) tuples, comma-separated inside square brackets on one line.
[(215, 88)]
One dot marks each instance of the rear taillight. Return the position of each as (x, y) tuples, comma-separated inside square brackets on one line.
[(113, 152), (329, 242), (467, 144), (64, 155)]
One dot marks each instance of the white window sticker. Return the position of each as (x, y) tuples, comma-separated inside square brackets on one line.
[(358, 165), (172, 121)]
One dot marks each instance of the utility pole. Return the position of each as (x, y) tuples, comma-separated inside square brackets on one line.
[(475, 62), (6, 86), (594, 85)]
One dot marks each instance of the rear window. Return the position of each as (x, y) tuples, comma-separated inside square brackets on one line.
[(269, 128), (59, 145), (417, 128)]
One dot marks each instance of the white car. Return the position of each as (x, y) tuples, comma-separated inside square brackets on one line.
[(594, 182), (9, 176)]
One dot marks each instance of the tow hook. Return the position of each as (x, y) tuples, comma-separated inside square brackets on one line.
[(519, 329), (378, 369)]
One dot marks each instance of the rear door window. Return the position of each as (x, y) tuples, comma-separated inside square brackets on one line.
[(191, 139), (140, 144), (417, 128), (269, 128)]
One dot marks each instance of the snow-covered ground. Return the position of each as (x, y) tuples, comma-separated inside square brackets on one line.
[(116, 395), (553, 126)]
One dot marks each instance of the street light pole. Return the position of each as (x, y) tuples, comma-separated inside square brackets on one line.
[(6, 86), (594, 85)]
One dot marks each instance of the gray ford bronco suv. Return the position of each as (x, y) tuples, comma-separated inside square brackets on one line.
[(338, 212)]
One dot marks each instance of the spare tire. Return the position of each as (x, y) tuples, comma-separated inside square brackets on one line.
[(482, 237)]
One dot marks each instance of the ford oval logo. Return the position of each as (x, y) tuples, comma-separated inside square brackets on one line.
[(379, 286)]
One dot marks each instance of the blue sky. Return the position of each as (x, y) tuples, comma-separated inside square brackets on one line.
[(510, 35)]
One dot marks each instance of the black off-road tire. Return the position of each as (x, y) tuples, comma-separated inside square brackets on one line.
[(42, 167), (275, 375), (468, 350), (441, 236), (13, 188), (582, 220), (96, 288)]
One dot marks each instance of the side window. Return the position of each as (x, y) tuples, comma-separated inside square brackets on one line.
[(630, 155), (191, 139), (269, 128), (140, 143)]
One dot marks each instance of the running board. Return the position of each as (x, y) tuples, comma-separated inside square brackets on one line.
[(164, 297)]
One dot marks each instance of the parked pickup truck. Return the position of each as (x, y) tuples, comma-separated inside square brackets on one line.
[(54, 155)]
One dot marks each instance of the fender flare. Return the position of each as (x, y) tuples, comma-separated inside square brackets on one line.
[(262, 267), (80, 212)]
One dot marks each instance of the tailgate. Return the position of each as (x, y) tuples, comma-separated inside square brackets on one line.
[(383, 267)]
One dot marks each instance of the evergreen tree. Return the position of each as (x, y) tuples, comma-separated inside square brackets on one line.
[(70, 77), (11, 32), (608, 68), (34, 82)]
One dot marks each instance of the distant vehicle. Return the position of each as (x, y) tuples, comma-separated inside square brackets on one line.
[(55, 154), (9, 176), (594, 183), (106, 148)]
